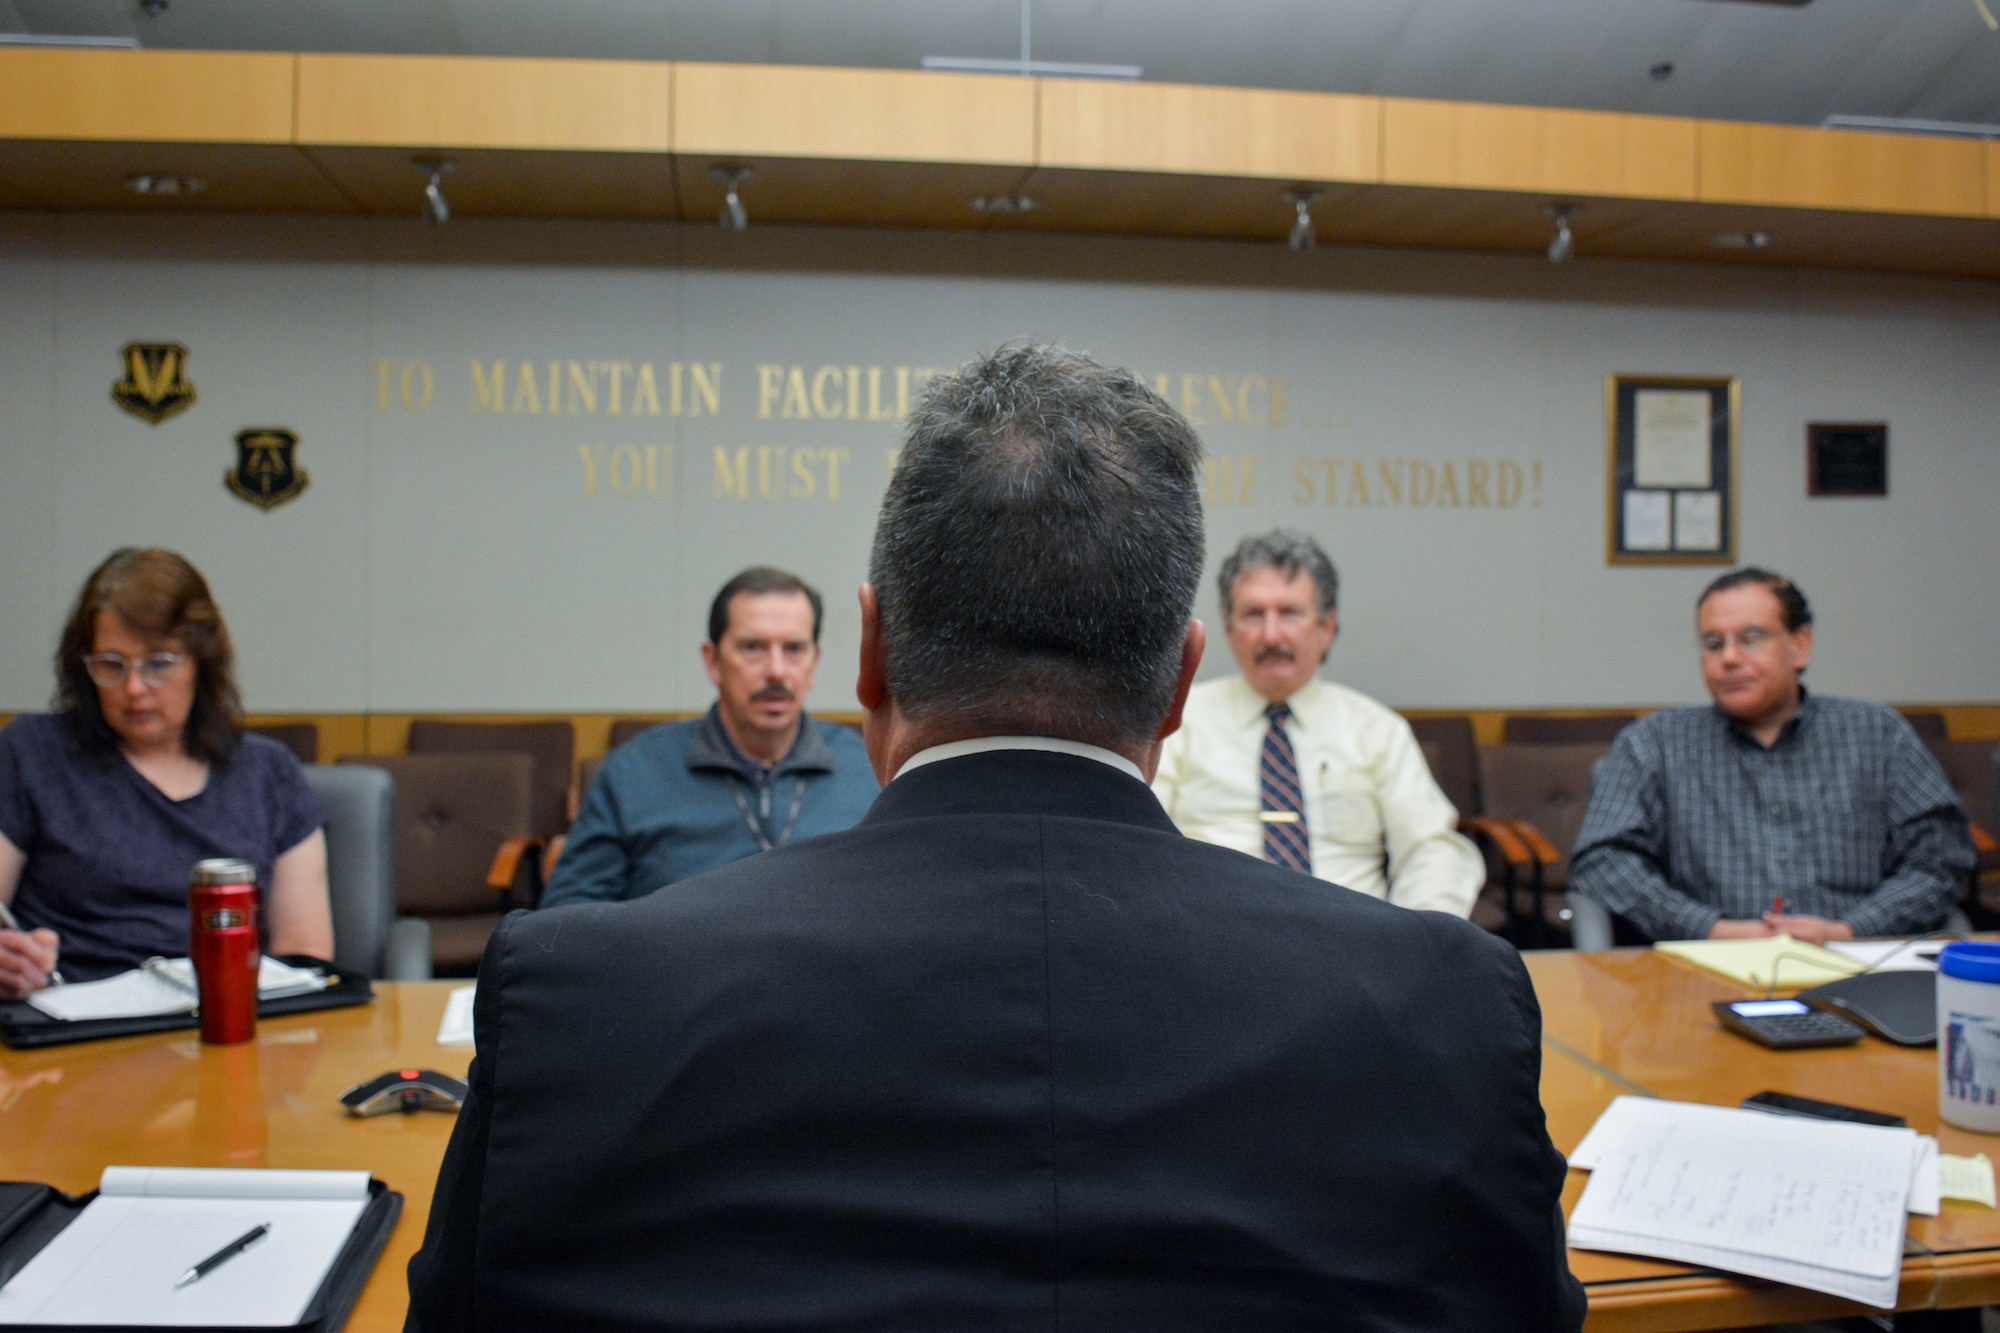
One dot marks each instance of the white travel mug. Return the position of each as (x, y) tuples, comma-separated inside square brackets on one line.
[(1968, 1000)]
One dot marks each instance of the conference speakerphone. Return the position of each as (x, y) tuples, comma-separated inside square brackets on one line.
[(405, 1090), (1785, 1024)]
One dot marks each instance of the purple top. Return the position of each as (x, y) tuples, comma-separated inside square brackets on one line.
[(109, 853)]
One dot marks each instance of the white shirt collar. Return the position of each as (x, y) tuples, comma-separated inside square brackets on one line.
[(984, 744), (1250, 705)]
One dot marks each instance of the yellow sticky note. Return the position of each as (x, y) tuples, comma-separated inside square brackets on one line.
[(1969, 1178)]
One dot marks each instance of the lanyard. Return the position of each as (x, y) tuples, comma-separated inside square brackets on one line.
[(764, 843)]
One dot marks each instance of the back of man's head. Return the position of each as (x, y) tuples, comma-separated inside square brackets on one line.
[(1039, 550)]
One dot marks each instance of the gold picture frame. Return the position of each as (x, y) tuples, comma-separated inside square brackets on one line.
[(1670, 469)]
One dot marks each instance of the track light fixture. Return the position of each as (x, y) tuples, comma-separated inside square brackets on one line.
[(158, 185), (733, 219), (436, 210), (1564, 244), (1005, 203), (1303, 236)]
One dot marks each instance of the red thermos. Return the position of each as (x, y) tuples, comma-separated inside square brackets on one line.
[(222, 941)]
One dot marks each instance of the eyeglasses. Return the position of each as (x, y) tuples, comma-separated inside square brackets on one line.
[(110, 670), (1747, 640)]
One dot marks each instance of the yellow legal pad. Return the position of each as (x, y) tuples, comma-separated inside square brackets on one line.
[(1752, 962)]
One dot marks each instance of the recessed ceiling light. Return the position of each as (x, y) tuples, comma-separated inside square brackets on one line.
[(164, 186), (1741, 240), (1005, 203)]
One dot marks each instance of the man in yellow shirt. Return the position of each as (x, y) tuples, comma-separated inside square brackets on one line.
[(1278, 763)]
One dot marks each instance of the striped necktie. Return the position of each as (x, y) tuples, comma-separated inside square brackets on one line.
[(1282, 803)]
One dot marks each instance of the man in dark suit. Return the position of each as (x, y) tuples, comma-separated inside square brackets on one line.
[(1012, 1053)]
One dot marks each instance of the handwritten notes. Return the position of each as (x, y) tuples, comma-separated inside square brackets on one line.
[(1817, 1204)]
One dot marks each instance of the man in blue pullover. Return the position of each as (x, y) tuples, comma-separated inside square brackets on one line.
[(752, 774)]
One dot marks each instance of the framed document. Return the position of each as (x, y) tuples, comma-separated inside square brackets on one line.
[(1671, 471)]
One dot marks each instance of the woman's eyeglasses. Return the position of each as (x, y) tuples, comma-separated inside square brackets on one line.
[(110, 670)]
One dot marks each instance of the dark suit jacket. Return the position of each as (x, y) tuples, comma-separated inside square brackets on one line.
[(1010, 1054)]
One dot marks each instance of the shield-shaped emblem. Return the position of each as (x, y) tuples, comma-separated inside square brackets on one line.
[(155, 386), (267, 472)]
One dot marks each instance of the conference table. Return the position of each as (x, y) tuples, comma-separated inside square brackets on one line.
[(1628, 1021)]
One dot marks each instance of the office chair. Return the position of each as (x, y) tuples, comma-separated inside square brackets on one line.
[(368, 937)]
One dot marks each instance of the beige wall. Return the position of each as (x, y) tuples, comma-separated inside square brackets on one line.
[(450, 557)]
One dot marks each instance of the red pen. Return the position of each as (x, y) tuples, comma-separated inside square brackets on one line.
[(1778, 905)]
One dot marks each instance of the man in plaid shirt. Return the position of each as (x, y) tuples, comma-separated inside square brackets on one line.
[(1775, 810)]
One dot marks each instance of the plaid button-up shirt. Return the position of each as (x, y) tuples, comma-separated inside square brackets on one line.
[(1846, 816)]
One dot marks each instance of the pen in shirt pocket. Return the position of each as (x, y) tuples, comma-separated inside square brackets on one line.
[(8, 922)]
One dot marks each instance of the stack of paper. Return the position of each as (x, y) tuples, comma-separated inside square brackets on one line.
[(1816, 1203), (162, 986), (456, 1027), (1891, 955)]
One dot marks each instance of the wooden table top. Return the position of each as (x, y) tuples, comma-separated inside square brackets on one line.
[(1633, 1021), (1626, 1021), (67, 1112)]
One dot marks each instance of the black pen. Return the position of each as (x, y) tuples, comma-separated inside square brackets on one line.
[(223, 1255)]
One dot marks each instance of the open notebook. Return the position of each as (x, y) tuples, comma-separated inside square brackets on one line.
[(162, 986), (117, 1262)]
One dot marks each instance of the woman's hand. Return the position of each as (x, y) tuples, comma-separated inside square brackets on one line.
[(26, 959)]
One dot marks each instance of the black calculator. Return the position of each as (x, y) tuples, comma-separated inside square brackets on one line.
[(1785, 1025)]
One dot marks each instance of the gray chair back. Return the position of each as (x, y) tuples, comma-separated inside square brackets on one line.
[(360, 808)]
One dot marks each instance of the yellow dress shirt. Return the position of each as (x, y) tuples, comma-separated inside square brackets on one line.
[(1377, 821)]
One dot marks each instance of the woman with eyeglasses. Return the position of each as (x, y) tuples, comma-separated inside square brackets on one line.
[(142, 769)]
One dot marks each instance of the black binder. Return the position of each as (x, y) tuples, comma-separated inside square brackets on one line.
[(31, 1215), (23, 1026)]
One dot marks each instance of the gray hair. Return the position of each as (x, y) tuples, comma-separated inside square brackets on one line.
[(1288, 553), (1039, 549)]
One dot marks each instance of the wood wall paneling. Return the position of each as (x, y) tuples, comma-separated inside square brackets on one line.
[(1801, 238), (1134, 203), (869, 115), (1178, 128), (487, 182), (90, 176), (217, 97), (1464, 219), (1537, 150), (1842, 169), (626, 139), (443, 102), (845, 193), (388, 733)]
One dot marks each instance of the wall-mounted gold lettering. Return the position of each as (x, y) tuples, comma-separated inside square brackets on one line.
[(1227, 400), (1413, 483), (1229, 480), (580, 388), (836, 393), (627, 470), (413, 380), (778, 472)]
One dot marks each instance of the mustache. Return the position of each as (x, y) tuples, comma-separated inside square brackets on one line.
[(773, 691), (1276, 652)]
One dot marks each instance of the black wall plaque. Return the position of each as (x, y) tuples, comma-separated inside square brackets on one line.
[(1847, 458)]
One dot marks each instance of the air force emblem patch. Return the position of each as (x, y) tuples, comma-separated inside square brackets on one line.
[(155, 386), (266, 472)]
